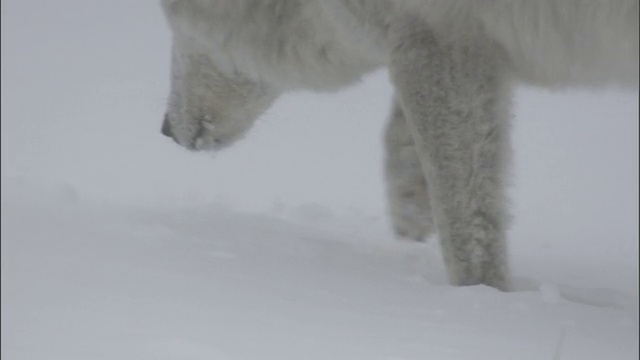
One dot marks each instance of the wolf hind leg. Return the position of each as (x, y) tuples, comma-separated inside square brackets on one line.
[(406, 186)]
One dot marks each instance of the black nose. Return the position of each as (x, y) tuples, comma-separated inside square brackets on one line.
[(166, 127)]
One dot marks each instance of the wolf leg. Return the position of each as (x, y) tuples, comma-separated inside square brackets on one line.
[(455, 96), (407, 196)]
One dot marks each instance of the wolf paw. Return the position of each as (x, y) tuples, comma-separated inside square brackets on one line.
[(412, 226)]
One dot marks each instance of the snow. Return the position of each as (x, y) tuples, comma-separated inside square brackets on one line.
[(117, 244)]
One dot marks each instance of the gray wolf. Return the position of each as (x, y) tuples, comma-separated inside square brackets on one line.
[(453, 64)]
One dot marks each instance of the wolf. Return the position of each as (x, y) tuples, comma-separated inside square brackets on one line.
[(453, 65)]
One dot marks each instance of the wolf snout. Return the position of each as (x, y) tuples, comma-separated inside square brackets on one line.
[(201, 136)]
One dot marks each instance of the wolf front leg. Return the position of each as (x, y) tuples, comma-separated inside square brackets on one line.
[(407, 195), (455, 96)]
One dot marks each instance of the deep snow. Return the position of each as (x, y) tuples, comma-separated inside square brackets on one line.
[(117, 244)]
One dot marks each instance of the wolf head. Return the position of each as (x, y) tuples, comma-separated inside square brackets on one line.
[(209, 107)]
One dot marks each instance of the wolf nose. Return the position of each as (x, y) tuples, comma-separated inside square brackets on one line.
[(166, 127)]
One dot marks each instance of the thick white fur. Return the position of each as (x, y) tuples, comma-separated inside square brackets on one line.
[(452, 63)]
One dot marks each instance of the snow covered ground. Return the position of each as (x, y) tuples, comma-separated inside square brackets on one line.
[(118, 245)]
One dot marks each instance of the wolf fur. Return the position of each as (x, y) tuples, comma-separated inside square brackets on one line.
[(452, 63)]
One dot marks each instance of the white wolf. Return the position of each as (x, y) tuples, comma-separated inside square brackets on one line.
[(452, 63)]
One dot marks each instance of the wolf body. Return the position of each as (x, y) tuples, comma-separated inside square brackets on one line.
[(452, 63)]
